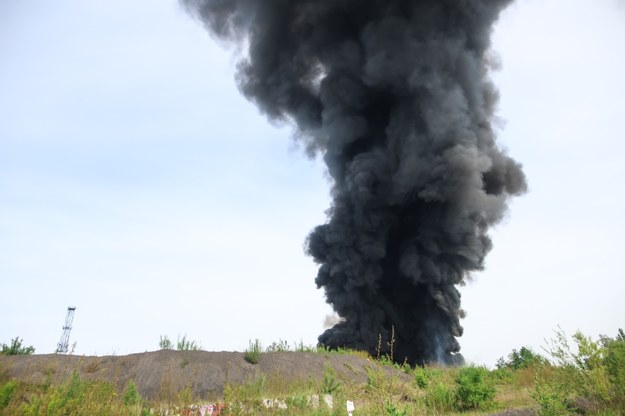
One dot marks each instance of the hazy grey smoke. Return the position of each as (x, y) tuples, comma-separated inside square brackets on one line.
[(396, 96), (331, 320)]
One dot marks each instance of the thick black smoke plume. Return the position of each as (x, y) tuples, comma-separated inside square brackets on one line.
[(395, 94)]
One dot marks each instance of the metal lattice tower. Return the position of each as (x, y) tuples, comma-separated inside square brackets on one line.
[(63, 345)]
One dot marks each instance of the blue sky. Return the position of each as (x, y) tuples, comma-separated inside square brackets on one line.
[(138, 185)]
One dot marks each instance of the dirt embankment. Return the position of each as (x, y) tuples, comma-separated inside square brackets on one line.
[(159, 372)]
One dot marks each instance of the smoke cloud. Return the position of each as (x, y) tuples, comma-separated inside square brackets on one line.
[(396, 96)]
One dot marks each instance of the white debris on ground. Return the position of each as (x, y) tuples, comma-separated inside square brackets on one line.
[(350, 407), (313, 401), (214, 409), (277, 403)]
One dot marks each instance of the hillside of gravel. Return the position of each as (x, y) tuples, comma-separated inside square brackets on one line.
[(205, 372)]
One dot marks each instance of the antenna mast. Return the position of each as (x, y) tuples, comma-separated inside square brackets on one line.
[(63, 345)]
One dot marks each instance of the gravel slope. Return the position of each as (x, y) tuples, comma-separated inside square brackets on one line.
[(206, 372)]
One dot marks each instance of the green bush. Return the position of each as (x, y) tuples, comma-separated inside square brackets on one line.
[(421, 377), (392, 410), (16, 348), (248, 393), (474, 390), (6, 392), (165, 343), (68, 397), (185, 344), (584, 366), (615, 366), (439, 398), (252, 354), (182, 344), (76, 397), (502, 375), (551, 398), (131, 394), (592, 370)]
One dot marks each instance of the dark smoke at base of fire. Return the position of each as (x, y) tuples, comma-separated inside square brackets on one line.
[(396, 96)]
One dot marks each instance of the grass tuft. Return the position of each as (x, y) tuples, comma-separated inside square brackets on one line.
[(252, 353)]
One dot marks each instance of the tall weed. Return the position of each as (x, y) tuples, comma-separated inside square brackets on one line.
[(330, 383)]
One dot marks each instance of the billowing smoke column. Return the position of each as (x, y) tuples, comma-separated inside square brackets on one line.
[(395, 94)]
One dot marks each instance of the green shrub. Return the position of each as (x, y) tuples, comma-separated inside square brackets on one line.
[(182, 344), (131, 394), (186, 345), (587, 354), (252, 354), (584, 366), (68, 397), (474, 390), (421, 377), (392, 410), (6, 392), (185, 396), (247, 393), (502, 375), (165, 343), (376, 381), (439, 398), (551, 398), (615, 366), (76, 397), (16, 348)]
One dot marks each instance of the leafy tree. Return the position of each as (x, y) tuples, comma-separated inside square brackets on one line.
[(523, 358), (16, 348)]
